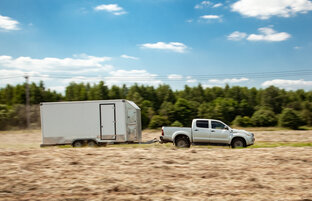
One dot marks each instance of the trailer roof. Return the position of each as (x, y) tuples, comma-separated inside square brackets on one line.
[(90, 101), (133, 104)]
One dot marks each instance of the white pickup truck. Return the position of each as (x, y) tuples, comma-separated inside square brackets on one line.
[(207, 131)]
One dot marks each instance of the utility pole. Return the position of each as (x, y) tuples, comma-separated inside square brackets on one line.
[(27, 102)]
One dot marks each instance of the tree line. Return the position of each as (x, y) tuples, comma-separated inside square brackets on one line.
[(161, 106)]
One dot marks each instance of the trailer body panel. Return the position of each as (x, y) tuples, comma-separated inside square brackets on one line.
[(102, 121)]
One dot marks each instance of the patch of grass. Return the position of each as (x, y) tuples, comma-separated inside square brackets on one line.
[(170, 145), (64, 146), (167, 145), (265, 128), (305, 128), (280, 144)]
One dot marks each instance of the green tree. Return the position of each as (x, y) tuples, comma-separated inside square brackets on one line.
[(290, 119), (224, 109), (4, 116), (115, 93), (273, 98), (158, 121), (167, 110), (242, 121), (176, 124), (264, 117), (306, 113), (184, 111)]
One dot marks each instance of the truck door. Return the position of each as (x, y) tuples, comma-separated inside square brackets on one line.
[(219, 132), (201, 131), (108, 121)]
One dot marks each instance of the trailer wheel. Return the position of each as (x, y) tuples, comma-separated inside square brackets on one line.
[(78, 143), (182, 142), (92, 143)]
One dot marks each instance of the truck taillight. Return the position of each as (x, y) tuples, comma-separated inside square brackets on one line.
[(162, 132)]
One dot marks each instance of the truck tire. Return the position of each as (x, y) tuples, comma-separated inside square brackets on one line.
[(78, 143), (182, 142), (238, 143), (92, 143)]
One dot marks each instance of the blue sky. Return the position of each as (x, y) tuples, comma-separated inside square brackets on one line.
[(254, 43)]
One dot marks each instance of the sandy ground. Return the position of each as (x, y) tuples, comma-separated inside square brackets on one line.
[(155, 172)]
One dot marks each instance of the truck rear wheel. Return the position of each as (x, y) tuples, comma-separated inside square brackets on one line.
[(78, 143), (182, 142)]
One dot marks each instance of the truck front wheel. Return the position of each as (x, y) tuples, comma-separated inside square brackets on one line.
[(182, 142), (238, 143)]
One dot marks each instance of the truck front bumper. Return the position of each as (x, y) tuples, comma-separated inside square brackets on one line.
[(251, 140)]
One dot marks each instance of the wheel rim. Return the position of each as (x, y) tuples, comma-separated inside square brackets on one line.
[(238, 143), (78, 144), (181, 143), (91, 144)]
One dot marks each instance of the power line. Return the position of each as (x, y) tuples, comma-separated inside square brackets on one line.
[(257, 75)]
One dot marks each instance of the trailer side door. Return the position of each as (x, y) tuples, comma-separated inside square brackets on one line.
[(108, 121)]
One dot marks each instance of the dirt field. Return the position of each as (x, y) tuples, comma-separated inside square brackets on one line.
[(155, 172)]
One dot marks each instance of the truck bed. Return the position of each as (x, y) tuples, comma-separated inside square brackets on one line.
[(168, 132)]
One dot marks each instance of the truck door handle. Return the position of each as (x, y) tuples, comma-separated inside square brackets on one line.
[(212, 131), (195, 130)]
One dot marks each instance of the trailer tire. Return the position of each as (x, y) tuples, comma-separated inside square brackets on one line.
[(182, 142), (77, 143), (92, 143)]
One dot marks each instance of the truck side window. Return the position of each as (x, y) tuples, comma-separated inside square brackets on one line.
[(202, 124), (217, 125)]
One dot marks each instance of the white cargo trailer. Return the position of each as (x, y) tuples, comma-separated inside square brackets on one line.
[(90, 122)]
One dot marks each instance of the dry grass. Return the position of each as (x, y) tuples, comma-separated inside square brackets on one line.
[(155, 172)]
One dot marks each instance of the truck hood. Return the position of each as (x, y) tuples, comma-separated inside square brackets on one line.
[(240, 131)]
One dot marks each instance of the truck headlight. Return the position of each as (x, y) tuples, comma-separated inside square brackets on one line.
[(250, 134)]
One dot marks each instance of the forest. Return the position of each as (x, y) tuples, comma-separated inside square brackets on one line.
[(163, 106)]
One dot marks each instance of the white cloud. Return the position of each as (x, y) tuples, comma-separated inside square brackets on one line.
[(203, 4), (189, 20), (217, 5), (58, 73), (268, 34), (51, 64), (264, 9), (172, 46), (228, 81), (236, 36), (207, 4), (119, 77), (190, 79), (60, 89), (8, 24), (40, 69), (175, 77), (129, 57), (297, 47), (288, 84), (210, 17), (112, 8)]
